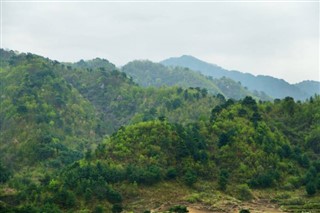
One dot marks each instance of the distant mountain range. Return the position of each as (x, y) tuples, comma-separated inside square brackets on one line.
[(276, 88), (147, 73)]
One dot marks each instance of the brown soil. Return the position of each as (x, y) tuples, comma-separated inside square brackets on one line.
[(197, 210), (257, 206)]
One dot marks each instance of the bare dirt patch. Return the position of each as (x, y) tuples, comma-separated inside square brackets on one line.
[(256, 206), (197, 210)]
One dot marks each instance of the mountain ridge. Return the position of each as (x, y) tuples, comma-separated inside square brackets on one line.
[(147, 73), (277, 88)]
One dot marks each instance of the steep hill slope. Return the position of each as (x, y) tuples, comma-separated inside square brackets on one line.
[(276, 88), (106, 88), (119, 101), (42, 118)]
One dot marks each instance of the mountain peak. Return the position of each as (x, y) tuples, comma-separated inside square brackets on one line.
[(277, 88), (95, 63), (186, 59)]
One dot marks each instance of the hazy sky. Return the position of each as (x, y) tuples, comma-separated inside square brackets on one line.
[(277, 39)]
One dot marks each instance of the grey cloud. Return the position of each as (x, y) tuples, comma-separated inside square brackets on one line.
[(279, 39)]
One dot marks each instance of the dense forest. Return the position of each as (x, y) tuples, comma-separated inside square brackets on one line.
[(86, 137)]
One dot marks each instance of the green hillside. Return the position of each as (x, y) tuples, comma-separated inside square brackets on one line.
[(120, 101), (43, 118), (83, 137), (147, 73), (238, 153)]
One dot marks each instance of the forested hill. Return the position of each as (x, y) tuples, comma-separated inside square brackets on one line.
[(52, 112), (119, 101), (83, 137), (42, 117), (276, 88), (94, 64), (54, 98), (147, 73)]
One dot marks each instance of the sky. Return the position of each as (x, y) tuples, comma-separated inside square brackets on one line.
[(279, 39)]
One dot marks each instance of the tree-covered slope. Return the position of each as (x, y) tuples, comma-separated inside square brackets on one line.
[(120, 101), (243, 148), (147, 73), (107, 89), (93, 64), (116, 99), (276, 88), (83, 137), (42, 117)]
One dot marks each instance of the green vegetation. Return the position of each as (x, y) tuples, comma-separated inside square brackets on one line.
[(84, 137), (119, 101), (147, 73), (178, 209), (43, 119)]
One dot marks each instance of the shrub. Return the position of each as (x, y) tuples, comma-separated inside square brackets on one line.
[(4, 174), (113, 196), (179, 209), (50, 208), (193, 198), (244, 211), (117, 208), (171, 173), (311, 188), (98, 209), (190, 178), (244, 192), (65, 198), (223, 179), (295, 181)]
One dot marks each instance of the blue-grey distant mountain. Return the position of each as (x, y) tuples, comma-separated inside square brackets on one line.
[(276, 88), (310, 87)]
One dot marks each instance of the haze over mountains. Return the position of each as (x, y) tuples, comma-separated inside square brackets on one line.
[(276, 88)]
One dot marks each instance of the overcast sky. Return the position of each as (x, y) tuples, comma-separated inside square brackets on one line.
[(277, 39)]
